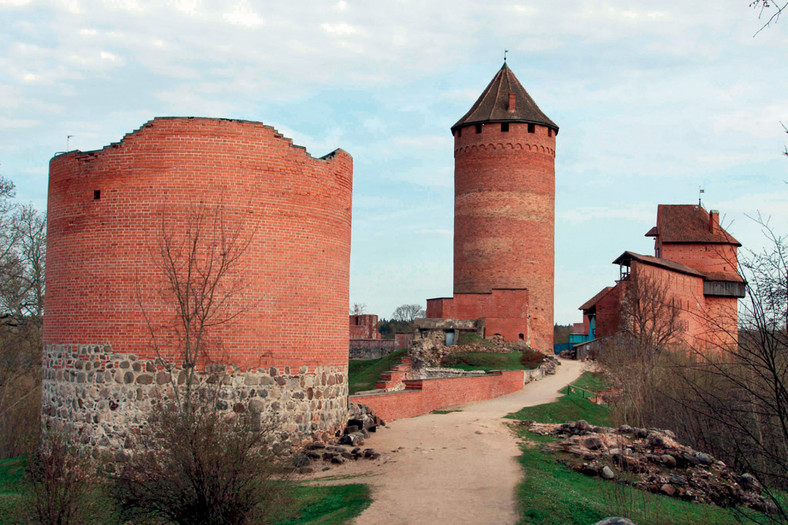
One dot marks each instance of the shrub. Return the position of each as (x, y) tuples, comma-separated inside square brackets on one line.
[(531, 358), (198, 466), (60, 477)]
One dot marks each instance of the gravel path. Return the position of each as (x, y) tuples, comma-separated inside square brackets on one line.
[(459, 467)]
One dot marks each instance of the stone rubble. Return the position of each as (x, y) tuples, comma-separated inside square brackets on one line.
[(361, 421), (652, 460)]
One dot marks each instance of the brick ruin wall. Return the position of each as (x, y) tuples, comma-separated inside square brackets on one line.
[(504, 217), (505, 312), (286, 355)]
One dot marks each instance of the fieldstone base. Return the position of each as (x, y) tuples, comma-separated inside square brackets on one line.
[(103, 397)]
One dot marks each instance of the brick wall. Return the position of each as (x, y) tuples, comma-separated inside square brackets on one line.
[(364, 327), (504, 217), (719, 259), (107, 210), (425, 395), (505, 311)]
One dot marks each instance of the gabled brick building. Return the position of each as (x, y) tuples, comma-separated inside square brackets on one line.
[(693, 270), (504, 216)]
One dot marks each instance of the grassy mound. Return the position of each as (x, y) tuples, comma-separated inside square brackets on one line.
[(484, 361), (362, 373)]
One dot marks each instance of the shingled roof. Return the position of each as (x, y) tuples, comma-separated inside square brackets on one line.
[(688, 223), (493, 104)]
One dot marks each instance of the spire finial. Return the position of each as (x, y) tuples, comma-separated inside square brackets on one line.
[(504, 54)]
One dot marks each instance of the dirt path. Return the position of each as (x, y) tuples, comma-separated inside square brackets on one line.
[(458, 467)]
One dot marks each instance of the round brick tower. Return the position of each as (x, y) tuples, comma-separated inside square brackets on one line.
[(286, 350), (504, 200)]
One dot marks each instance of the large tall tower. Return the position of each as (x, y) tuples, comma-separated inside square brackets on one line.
[(504, 200)]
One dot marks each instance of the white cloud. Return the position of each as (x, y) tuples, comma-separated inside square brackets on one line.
[(339, 29), (243, 15)]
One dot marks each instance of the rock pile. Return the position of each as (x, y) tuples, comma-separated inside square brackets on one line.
[(651, 459), (361, 421)]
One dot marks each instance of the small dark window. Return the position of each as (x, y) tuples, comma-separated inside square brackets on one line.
[(478, 128), (504, 127), (459, 132), (521, 337), (96, 194), (549, 132), (531, 128)]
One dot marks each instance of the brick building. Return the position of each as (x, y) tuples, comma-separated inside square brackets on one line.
[(286, 355), (693, 272), (504, 215)]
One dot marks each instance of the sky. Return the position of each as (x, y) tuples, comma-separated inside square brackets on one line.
[(654, 100)]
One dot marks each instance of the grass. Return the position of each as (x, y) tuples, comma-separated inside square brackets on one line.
[(571, 406), (328, 505), (362, 373), (468, 338), (312, 505), (552, 494), (439, 411), (484, 361)]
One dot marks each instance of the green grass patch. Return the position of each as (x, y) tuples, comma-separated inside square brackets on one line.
[(310, 505), (571, 406), (467, 338), (444, 411), (327, 505), (362, 373), (484, 361)]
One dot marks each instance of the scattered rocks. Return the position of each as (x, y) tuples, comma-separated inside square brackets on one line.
[(655, 462)]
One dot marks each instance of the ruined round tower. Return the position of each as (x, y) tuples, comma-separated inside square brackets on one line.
[(111, 330), (504, 201)]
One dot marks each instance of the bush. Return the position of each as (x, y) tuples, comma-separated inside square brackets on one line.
[(60, 477), (531, 358), (197, 466)]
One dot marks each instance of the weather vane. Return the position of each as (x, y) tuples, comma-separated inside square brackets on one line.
[(68, 142), (701, 191), (504, 54)]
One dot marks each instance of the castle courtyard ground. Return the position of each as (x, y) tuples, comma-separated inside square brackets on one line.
[(456, 467)]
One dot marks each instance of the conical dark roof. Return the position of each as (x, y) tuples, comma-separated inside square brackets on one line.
[(493, 104)]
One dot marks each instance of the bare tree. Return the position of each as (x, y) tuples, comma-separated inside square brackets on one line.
[(358, 309), (632, 359), (193, 463), (199, 262), (22, 266), (408, 312), (768, 10)]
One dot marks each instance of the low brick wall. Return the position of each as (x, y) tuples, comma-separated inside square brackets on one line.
[(425, 395)]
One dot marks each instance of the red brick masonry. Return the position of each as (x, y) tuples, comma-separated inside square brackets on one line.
[(425, 395)]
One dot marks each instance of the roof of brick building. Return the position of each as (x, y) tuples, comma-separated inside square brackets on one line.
[(627, 257), (493, 104), (595, 299), (688, 223)]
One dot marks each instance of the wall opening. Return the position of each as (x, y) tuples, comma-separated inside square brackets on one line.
[(478, 128), (504, 127), (531, 128), (521, 337), (549, 132), (96, 194)]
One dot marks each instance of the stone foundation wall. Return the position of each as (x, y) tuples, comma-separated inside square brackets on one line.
[(103, 396)]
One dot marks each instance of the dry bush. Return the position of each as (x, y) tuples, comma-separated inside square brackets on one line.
[(199, 466), (61, 478), (531, 358), (20, 386)]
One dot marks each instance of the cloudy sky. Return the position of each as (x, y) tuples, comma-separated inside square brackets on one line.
[(654, 100)]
